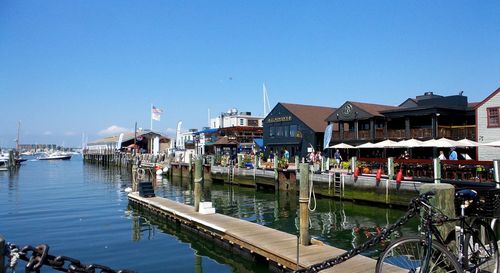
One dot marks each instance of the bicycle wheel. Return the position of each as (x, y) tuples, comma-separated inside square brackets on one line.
[(408, 254), (481, 249)]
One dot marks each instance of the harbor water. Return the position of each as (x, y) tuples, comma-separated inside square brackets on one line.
[(81, 210)]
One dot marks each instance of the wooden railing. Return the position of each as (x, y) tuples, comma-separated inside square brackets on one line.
[(422, 169)]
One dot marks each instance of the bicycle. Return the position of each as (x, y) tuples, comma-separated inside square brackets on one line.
[(477, 249)]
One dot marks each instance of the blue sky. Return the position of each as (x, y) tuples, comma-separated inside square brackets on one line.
[(68, 67)]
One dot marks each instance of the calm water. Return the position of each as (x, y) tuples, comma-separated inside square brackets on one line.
[(81, 210)]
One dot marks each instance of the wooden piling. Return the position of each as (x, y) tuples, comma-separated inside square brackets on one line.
[(305, 239), (198, 178), (2, 254)]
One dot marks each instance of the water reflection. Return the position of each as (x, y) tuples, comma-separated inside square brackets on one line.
[(200, 246), (342, 224)]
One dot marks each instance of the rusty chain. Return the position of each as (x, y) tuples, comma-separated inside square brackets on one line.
[(38, 256), (413, 210)]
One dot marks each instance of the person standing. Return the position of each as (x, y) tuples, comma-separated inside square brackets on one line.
[(441, 155), (453, 154), (337, 156), (286, 154)]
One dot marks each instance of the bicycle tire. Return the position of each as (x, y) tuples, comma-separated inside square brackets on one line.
[(408, 252), (481, 248)]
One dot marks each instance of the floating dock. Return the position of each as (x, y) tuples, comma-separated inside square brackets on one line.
[(250, 239)]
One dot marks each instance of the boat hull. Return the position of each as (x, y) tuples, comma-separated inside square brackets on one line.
[(61, 157)]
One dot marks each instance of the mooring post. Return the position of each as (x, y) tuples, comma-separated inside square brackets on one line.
[(354, 163), (198, 178), (190, 167), (443, 200), (275, 168), (496, 172), (437, 170), (390, 167), (305, 239), (2, 254)]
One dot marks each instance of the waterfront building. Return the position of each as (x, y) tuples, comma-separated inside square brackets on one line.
[(144, 141), (424, 117), (359, 122), (488, 125), (295, 127), (233, 118)]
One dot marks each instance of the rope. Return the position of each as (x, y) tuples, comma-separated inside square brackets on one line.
[(312, 195)]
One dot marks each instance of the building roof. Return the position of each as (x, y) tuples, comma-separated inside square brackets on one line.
[(373, 109), (312, 116), (126, 137), (487, 98), (226, 141)]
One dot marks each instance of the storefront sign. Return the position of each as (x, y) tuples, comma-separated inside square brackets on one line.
[(279, 119)]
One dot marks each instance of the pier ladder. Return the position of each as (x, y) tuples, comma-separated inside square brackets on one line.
[(337, 184)]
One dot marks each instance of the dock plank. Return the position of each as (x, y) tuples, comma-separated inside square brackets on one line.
[(275, 245)]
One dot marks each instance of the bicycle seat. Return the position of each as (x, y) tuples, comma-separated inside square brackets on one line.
[(466, 194)]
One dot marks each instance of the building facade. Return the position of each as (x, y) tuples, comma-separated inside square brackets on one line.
[(488, 125), (233, 118), (295, 127)]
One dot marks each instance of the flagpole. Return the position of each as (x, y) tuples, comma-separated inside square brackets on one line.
[(151, 116)]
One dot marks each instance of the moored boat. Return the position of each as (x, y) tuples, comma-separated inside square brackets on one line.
[(55, 156)]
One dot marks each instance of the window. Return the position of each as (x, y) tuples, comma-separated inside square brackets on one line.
[(241, 121), (286, 131), (293, 130), (279, 131), (493, 117), (272, 131)]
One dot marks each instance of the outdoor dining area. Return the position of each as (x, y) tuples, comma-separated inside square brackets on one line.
[(414, 158)]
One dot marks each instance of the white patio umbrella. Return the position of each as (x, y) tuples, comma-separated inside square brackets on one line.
[(341, 146), (468, 143), (441, 143), (366, 145), (492, 144), (410, 143), (385, 144)]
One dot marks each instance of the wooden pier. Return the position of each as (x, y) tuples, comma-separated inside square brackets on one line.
[(252, 240)]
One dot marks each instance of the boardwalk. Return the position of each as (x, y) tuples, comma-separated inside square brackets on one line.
[(274, 245)]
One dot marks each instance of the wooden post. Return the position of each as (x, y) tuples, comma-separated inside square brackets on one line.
[(190, 167), (354, 162), (496, 172), (198, 178), (437, 170), (2, 258), (275, 168), (444, 201), (305, 239), (390, 167)]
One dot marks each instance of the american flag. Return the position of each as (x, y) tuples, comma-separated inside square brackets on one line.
[(155, 113)]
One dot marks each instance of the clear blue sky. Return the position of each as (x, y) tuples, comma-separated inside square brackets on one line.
[(68, 67)]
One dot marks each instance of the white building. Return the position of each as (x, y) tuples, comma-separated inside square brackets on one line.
[(488, 125), (233, 118)]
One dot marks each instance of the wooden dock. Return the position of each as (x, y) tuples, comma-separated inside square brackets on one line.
[(249, 238)]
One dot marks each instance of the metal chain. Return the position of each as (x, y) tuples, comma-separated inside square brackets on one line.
[(413, 210), (38, 256)]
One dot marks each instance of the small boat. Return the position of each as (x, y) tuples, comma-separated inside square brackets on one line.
[(55, 156), (4, 165)]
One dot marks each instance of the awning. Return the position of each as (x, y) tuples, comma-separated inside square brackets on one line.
[(366, 145), (385, 144), (341, 146), (410, 143), (492, 144), (259, 142)]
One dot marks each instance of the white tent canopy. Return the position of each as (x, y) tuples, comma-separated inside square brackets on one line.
[(442, 143), (492, 144), (366, 145), (341, 146), (385, 144), (410, 143), (468, 143)]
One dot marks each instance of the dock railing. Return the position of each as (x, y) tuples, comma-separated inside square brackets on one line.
[(422, 169)]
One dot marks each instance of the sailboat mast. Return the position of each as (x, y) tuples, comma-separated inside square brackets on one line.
[(17, 139)]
